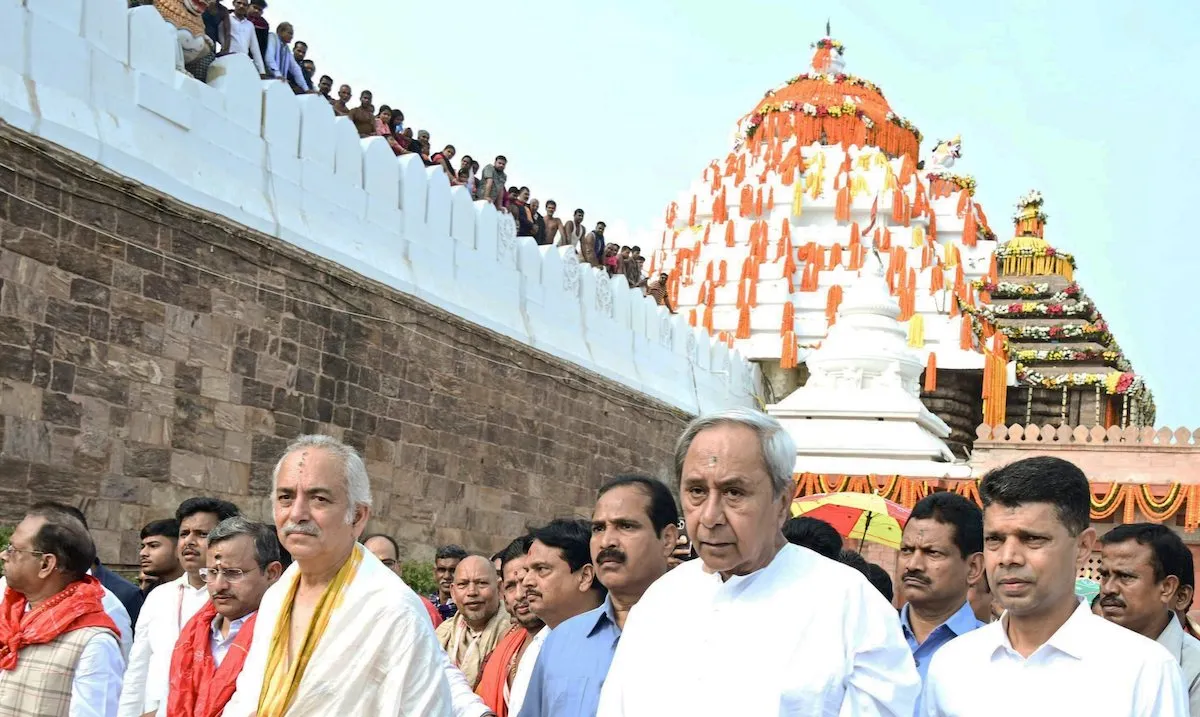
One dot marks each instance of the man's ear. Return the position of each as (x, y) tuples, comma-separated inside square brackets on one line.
[(669, 539), (587, 575), (273, 571), (974, 568)]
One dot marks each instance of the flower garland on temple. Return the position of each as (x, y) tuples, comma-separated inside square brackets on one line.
[(1113, 383), (1037, 290), (829, 79), (1127, 497), (959, 181), (1080, 309), (1097, 332), (1109, 357)]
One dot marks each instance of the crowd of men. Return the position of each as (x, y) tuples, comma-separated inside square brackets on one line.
[(631, 612)]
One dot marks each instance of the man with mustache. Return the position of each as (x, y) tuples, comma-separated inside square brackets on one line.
[(1048, 647), (480, 622), (633, 535), (941, 554), (168, 608), (495, 681), (445, 561), (560, 584), (339, 634), (158, 557), (1140, 569), (243, 561), (766, 627)]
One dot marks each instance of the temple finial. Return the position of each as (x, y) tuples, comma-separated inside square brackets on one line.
[(828, 33)]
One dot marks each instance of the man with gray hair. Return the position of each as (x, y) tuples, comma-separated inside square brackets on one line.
[(339, 634), (243, 561), (827, 642)]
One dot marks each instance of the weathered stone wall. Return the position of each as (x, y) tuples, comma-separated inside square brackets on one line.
[(957, 402), (150, 352)]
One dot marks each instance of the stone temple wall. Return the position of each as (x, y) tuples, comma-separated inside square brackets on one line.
[(149, 352)]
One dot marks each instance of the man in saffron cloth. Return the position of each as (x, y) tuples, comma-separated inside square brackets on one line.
[(835, 645), (243, 561), (60, 655), (339, 634), (480, 622), (500, 667)]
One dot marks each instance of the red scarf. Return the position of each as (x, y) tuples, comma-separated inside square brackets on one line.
[(198, 687), (76, 607), (493, 676)]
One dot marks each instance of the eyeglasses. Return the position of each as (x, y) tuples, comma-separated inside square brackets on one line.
[(231, 575), (8, 550)]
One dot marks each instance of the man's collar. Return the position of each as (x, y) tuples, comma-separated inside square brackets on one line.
[(1172, 636), (962, 621), (1072, 638), (605, 612)]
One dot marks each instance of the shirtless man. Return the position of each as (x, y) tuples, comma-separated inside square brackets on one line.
[(554, 225), (573, 232)]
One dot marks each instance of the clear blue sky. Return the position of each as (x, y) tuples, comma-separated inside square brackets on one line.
[(616, 106)]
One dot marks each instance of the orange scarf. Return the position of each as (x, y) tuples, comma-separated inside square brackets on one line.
[(493, 677), (76, 607), (198, 687)]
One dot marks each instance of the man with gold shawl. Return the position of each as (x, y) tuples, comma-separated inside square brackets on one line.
[(339, 634), (480, 622)]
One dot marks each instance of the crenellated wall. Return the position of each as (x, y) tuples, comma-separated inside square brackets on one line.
[(99, 79)]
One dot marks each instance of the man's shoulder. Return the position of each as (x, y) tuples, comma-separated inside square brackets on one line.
[(575, 627), (965, 650), (1122, 645)]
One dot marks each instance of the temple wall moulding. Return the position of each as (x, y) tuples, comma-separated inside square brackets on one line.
[(1093, 437)]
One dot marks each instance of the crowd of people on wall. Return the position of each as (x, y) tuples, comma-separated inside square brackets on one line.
[(718, 604)]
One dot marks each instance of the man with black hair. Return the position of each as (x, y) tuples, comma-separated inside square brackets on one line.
[(941, 553), (561, 583), (1048, 646), (1141, 566), (445, 562), (1183, 597), (633, 533), (59, 652), (500, 667), (169, 608), (157, 556), (814, 534), (881, 581)]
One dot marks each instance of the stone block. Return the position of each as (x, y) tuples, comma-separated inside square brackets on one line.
[(26, 440), (20, 400), (67, 14), (437, 205)]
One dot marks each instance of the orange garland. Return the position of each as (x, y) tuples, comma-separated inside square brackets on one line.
[(931, 373)]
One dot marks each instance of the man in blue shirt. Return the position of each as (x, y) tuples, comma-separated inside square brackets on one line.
[(634, 530), (941, 554)]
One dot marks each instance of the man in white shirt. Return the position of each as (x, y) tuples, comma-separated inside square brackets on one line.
[(757, 626), (1048, 652), (281, 63), (242, 37), (60, 655), (1140, 569), (169, 607)]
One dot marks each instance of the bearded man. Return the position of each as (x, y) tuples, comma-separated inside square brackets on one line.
[(480, 622)]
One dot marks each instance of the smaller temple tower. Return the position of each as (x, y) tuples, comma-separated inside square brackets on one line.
[(1068, 368)]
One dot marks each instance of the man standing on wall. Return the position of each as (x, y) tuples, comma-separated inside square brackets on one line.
[(494, 180), (554, 225), (169, 607), (242, 37), (591, 249)]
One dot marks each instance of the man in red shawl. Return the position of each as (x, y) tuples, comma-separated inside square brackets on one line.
[(243, 561), (58, 648)]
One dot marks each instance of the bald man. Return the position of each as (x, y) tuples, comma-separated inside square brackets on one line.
[(387, 550), (481, 620)]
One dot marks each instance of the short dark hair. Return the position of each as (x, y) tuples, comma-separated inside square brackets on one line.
[(601, 224), (551, 201), (298, 43), (65, 537), (625, 248), (959, 513), (55, 505), (522, 189), (854, 560), (573, 538), (500, 157), (1167, 550), (515, 549), (223, 509), (814, 534), (450, 552), (661, 510), (879, 577), (167, 528), (266, 542), (635, 248), (449, 147), (327, 77), (385, 536), (1043, 479), (578, 211)]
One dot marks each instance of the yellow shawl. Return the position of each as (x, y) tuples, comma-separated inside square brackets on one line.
[(281, 679)]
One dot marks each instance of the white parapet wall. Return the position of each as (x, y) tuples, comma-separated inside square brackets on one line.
[(99, 79)]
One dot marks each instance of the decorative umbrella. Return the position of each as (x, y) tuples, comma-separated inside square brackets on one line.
[(857, 516)]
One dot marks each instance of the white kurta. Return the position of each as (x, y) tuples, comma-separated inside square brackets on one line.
[(803, 636), (1089, 667), (167, 609), (378, 655)]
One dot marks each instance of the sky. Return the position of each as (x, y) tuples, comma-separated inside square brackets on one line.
[(617, 106)]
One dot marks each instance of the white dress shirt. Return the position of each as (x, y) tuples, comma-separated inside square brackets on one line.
[(166, 610), (96, 684), (243, 40), (802, 636), (1186, 651), (520, 683), (1090, 666)]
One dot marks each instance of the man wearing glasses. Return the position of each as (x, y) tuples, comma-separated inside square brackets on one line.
[(243, 561)]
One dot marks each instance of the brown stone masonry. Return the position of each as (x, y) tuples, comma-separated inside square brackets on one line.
[(150, 352)]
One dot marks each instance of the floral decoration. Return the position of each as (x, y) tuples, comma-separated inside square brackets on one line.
[(1032, 198), (1041, 309), (1097, 332), (1037, 290), (1112, 382), (1046, 250), (1108, 357), (962, 181), (837, 78), (828, 43)]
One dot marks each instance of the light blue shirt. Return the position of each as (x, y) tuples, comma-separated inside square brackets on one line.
[(959, 623), (572, 665)]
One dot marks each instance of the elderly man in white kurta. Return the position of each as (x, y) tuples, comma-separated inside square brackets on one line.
[(762, 627), (339, 634)]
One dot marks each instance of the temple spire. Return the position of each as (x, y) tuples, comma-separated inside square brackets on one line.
[(828, 33)]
